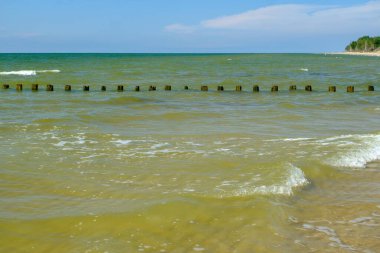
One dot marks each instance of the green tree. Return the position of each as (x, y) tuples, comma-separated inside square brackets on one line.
[(364, 44)]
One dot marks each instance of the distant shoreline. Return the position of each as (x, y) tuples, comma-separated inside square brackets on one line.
[(377, 53)]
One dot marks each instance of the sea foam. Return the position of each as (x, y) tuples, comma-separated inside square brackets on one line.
[(296, 178), (29, 72), (361, 150), (122, 142)]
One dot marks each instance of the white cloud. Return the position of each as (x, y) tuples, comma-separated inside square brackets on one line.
[(296, 19), (179, 28), (260, 18)]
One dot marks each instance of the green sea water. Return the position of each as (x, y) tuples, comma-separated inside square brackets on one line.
[(186, 170)]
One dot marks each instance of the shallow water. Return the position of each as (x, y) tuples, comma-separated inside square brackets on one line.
[(189, 171)]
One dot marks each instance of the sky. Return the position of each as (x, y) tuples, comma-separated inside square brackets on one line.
[(185, 26)]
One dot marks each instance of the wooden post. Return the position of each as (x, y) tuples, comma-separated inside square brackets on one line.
[(120, 88), (87, 88), (293, 87), (67, 87), (186, 87), (371, 88), (220, 88), (256, 88), (19, 87), (137, 88), (204, 88), (308, 88), (5, 86), (35, 87), (332, 88), (103, 88), (239, 88), (49, 87), (350, 89), (168, 87), (274, 88)]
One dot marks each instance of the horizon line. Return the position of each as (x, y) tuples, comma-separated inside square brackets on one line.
[(167, 52)]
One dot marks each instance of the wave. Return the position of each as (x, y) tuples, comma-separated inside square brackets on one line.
[(360, 150), (122, 142), (353, 151), (29, 72), (296, 178), (48, 71), (296, 139)]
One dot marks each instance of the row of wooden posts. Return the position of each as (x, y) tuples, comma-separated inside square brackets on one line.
[(256, 88)]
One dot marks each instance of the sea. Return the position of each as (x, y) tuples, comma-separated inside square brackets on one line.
[(187, 170)]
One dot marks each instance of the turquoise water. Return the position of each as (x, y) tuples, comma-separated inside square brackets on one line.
[(185, 170)]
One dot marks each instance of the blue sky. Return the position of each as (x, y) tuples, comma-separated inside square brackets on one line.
[(184, 25)]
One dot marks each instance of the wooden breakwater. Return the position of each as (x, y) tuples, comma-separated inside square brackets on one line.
[(220, 88)]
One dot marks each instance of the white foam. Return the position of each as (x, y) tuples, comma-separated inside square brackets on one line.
[(361, 150), (335, 138), (20, 73), (193, 143), (29, 72), (290, 139), (159, 145), (122, 142), (198, 248), (60, 144), (223, 149), (63, 143), (304, 69), (49, 71), (295, 179), (296, 139)]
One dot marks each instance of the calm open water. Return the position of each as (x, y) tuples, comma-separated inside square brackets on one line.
[(185, 170)]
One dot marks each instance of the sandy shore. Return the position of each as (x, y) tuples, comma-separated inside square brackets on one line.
[(377, 53)]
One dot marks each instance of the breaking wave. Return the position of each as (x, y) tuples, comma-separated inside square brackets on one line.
[(356, 150), (29, 72), (352, 151), (296, 178)]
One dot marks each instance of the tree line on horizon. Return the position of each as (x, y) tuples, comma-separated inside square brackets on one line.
[(364, 44)]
